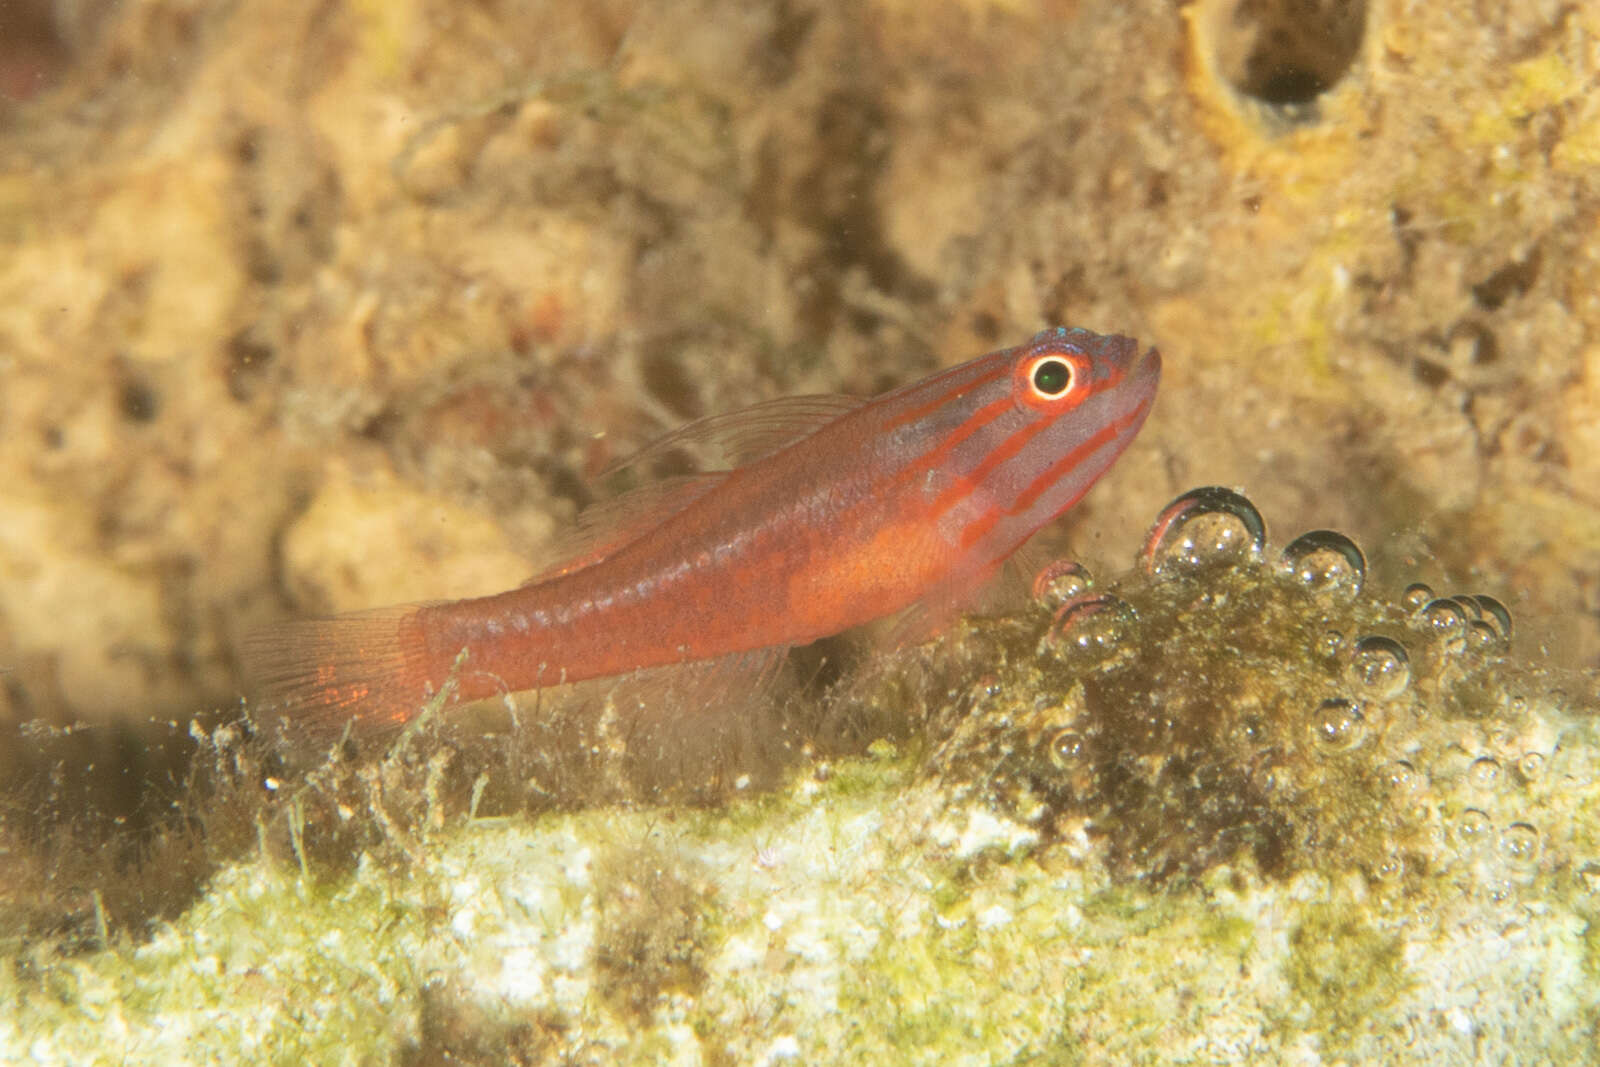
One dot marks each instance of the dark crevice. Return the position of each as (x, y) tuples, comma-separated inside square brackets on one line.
[(1287, 53), (1511, 280)]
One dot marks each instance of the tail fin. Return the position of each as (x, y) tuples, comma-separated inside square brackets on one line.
[(368, 669)]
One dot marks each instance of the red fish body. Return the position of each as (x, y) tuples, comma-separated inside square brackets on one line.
[(919, 493)]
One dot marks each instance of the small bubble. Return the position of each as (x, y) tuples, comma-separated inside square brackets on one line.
[(1484, 773), (1417, 596), (1445, 621), (1060, 581), (1325, 561), (1250, 730), (1391, 868), (1482, 637), (1379, 667), (1089, 623), (1329, 643), (1403, 777), (1202, 528), (1338, 725), (1469, 606), (1066, 748), (1519, 846), (1531, 767), (1473, 830)]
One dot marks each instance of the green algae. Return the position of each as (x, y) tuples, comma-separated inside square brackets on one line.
[(655, 927), (834, 929), (1346, 970)]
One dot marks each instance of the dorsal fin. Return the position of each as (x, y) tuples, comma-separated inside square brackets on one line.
[(735, 438), (723, 441), (604, 527)]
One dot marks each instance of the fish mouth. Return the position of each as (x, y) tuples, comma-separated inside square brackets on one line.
[(1143, 373)]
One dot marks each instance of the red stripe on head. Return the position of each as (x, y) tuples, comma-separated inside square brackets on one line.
[(923, 410)]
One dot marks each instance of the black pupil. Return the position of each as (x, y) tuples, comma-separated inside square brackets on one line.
[(1051, 377)]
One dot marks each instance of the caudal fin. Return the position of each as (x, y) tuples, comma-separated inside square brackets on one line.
[(316, 676)]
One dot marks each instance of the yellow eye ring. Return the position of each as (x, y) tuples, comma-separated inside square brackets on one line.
[(1050, 377), (1052, 381)]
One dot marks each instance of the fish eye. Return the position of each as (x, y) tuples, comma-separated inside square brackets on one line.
[(1052, 382), (1051, 376)]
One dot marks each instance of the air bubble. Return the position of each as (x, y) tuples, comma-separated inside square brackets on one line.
[(1066, 748), (1379, 667), (1330, 643), (1445, 621), (1403, 777), (1338, 725), (1060, 581), (1481, 637), (1417, 596), (1202, 528), (1391, 868), (1250, 730), (1531, 767), (1519, 847), (1326, 562), (1089, 623), (1473, 830), (1484, 773)]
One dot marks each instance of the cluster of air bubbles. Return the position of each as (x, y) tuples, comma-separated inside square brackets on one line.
[(1374, 668), (1514, 849), (1213, 526), (1204, 528), (1475, 623)]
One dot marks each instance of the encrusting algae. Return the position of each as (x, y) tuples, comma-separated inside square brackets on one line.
[(1229, 804)]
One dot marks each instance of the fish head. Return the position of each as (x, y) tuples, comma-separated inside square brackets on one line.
[(1037, 437)]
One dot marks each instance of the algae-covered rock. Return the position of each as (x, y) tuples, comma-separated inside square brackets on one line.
[(1232, 804)]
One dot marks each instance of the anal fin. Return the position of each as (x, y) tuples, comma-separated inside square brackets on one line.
[(691, 731)]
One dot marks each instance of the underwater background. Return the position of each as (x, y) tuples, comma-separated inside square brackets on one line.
[(312, 307)]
